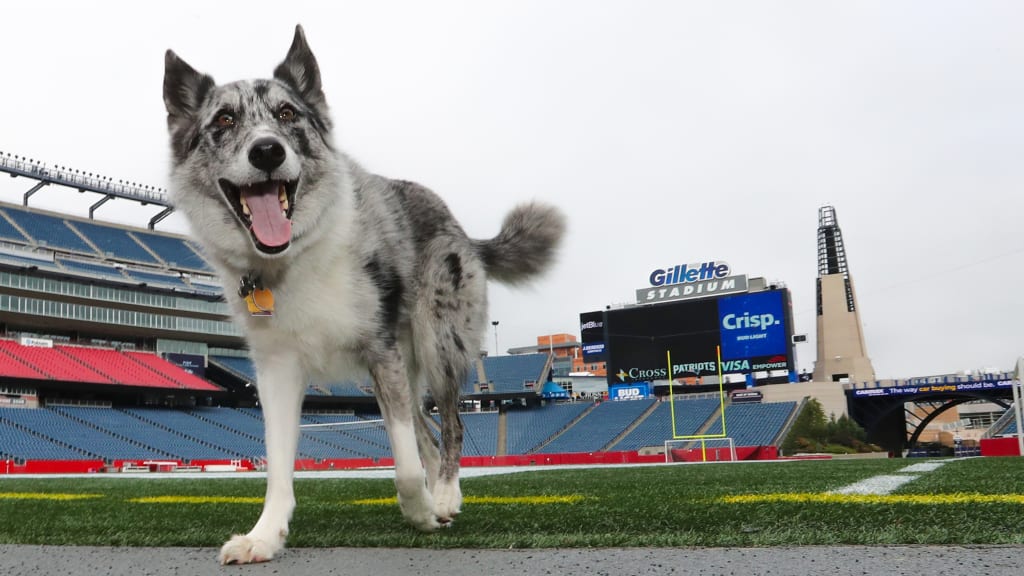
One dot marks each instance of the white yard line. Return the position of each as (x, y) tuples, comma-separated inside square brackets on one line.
[(887, 483)]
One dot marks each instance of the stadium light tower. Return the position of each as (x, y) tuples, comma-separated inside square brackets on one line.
[(495, 324)]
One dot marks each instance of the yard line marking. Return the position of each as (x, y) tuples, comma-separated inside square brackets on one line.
[(552, 499), (876, 485), (923, 467), (45, 496), (832, 498), (885, 484), (198, 500)]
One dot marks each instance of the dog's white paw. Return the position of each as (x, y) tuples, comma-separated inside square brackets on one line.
[(419, 511), (447, 501), (246, 549)]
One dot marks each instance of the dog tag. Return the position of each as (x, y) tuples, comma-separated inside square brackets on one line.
[(260, 302)]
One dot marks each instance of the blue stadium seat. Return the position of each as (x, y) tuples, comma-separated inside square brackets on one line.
[(657, 427), (508, 373), (114, 242), (49, 230), (10, 233), (754, 424), (599, 427), (156, 279), (175, 252), (92, 269), (527, 429), (25, 262)]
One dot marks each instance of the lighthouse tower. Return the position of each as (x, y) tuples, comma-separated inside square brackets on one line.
[(842, 355)]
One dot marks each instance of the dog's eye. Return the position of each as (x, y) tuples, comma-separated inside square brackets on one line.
[(286, 113), (225, 120)]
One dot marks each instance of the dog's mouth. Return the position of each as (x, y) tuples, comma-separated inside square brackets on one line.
[(265, 208)]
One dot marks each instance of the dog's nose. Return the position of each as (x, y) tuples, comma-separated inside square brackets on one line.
[(266, 154)]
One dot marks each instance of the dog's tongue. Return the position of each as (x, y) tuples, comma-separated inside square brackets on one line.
[(269, 223)]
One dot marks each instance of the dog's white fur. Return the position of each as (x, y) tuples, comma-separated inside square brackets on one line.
[(377, 277)]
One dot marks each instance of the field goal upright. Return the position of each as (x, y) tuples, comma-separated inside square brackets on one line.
[(676, 449)]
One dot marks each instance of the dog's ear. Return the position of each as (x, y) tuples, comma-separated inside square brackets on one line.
[(300, 71), (184, 88)]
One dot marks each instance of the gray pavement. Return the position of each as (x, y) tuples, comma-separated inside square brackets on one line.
[(782, 561)]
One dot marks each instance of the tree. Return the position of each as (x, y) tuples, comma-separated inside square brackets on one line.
[(809, 430)]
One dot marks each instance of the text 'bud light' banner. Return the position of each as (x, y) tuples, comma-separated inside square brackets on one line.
[(194, 364), (634, 391)]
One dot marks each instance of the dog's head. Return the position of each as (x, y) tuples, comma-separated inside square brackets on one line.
[(243, 153)]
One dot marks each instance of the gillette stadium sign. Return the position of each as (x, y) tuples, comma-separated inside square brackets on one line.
[(692, 280)]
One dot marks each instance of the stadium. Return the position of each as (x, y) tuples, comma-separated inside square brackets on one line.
[(118, 354), (118, 360)]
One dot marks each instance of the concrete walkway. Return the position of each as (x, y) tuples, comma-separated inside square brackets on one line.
[(810, 560)]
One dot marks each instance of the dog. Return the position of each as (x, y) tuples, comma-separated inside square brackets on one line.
[(333, 271)]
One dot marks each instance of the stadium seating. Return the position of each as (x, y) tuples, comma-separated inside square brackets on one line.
[(113, 242), (9, 232), (92, 268), (241, 367), (175, 252), (55, 365), (26, 262), (527, 429), (13, 366), (657, 427), (156, 279), (480, 435), (508, 373), (173, 372), (754, 424), (49, 230), (61, 429), (119, 368), (358, 438), (599, 427), (19, 443)]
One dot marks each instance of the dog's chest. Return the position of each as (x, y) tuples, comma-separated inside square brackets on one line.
[(321, 318)]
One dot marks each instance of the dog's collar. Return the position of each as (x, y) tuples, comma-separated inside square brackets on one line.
[(258, 298)]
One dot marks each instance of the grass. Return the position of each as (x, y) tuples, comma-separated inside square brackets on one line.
[(684, 505)]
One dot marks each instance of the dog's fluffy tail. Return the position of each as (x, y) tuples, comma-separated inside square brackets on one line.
[(526, 244)]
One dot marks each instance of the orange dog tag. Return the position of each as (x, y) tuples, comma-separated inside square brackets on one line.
[(260, 302)]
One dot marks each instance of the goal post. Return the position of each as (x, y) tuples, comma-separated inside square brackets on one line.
[(672, 400), (721, 449)]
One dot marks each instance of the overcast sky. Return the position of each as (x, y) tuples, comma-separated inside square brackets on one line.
[(669, 131)]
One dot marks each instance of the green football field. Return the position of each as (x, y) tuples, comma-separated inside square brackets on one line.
[(968, 501)]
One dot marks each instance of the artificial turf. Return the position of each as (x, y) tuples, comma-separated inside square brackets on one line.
[(681, 505)]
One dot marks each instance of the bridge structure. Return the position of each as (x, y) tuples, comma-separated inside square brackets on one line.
[(42, 174), (894, 416)]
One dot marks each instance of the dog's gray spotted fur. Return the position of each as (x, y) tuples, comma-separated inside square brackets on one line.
[(369, 275)]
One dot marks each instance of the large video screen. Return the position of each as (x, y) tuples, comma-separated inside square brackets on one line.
[(754, 331)]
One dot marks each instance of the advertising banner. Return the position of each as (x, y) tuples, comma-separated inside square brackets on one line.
[(592, 336), (934, 388), (634, 391), (752, 329), (192, 363)]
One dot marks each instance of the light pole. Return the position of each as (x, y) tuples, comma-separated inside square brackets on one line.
[(495, 324)]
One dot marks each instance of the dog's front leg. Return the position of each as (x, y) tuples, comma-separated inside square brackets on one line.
[(281, 389), (398, 407)]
